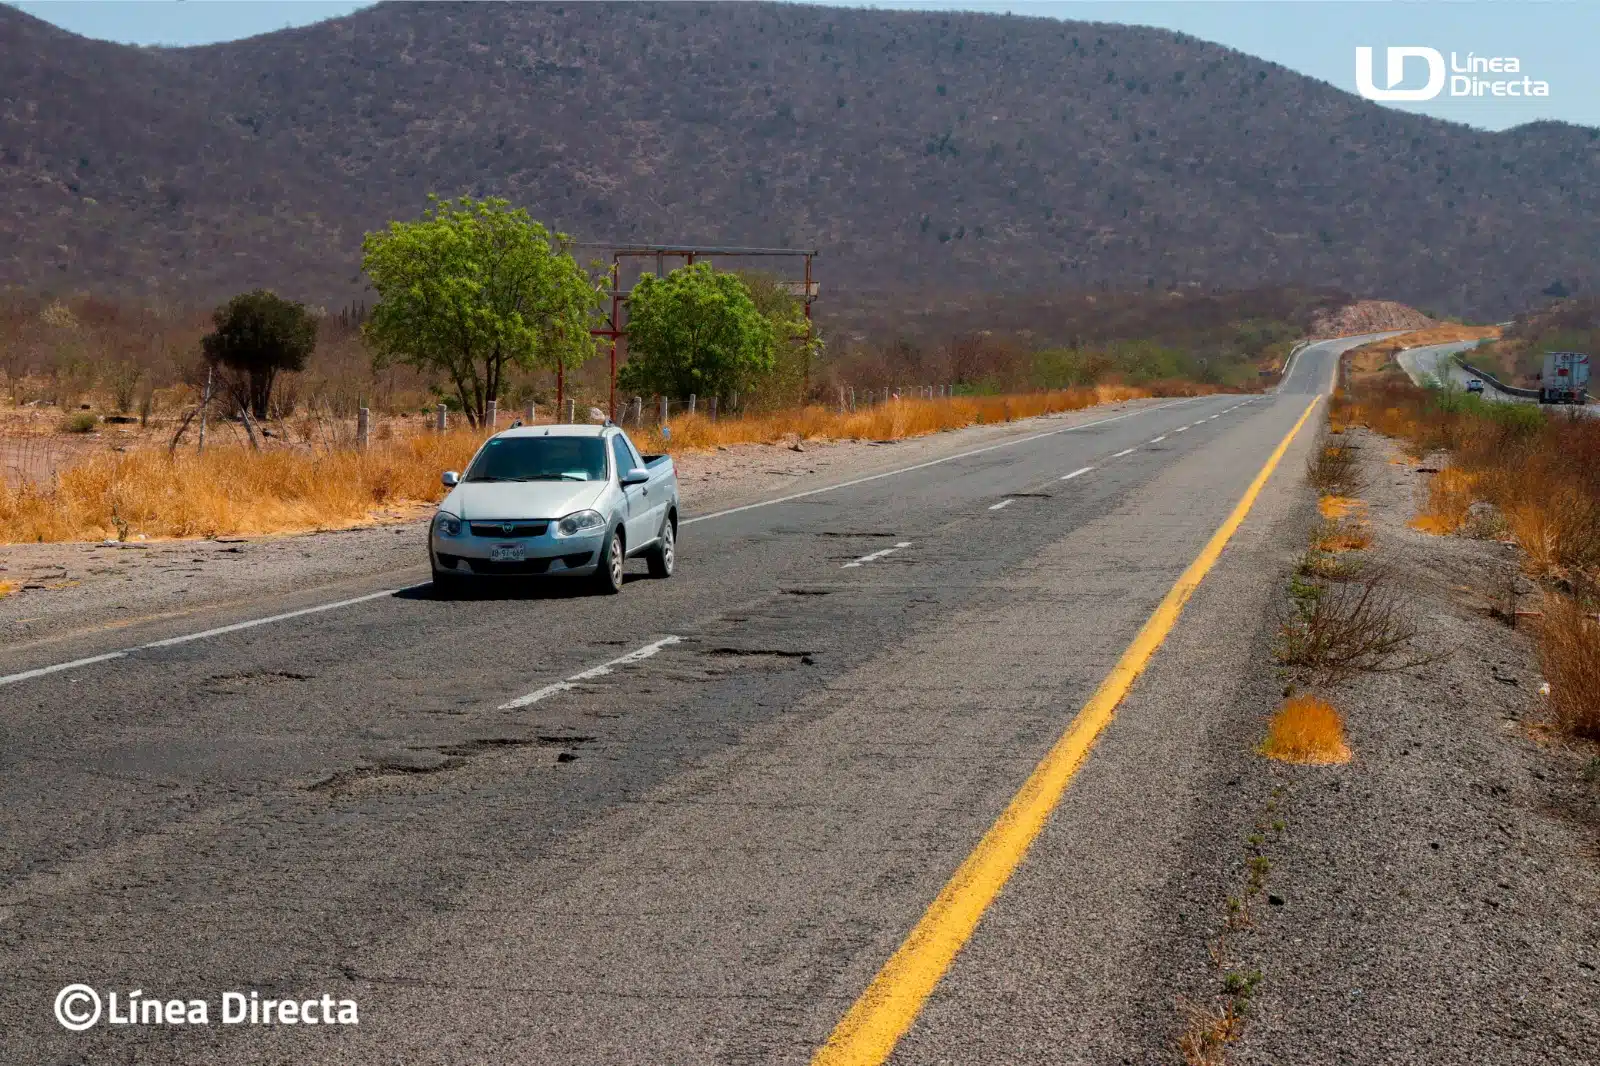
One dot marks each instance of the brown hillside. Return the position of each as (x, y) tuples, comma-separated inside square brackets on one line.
[(936, 149)]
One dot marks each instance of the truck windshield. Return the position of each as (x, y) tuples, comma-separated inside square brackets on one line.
[(540, 459)]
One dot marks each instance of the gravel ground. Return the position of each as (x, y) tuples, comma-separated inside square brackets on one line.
[(64, 589), (1437, 899)]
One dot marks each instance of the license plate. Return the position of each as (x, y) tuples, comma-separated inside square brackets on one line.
[(506, 553)]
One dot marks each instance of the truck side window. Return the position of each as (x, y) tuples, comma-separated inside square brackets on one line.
[(623, 454), (632, 451)]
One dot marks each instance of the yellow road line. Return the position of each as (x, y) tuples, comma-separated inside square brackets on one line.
[(880, 1017)]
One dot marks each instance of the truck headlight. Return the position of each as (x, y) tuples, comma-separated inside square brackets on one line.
[(446, 524), (579, 522)]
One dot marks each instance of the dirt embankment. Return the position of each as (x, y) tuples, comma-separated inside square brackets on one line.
[(1374, 357), (1368, 316)]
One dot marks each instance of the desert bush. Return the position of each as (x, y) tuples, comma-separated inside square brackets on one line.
[(80, 422), (1335, 470), (1335, 629)]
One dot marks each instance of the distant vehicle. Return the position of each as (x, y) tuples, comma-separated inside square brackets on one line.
[(1475, 385), (1565, 378), (561, 500)]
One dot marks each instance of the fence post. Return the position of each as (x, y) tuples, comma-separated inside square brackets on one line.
[(205, 402), (492, 416), (363, 428), (572, 411), (713, 408), (533, 409), (663, 411), (441, 419), (841, 399), (852, 399), (691, 403)]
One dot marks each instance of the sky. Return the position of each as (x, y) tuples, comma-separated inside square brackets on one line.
[(1553, 41)]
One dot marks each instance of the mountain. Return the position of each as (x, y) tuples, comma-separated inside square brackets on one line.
[(940, 151)]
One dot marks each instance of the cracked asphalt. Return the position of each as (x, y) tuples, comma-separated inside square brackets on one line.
[(699, 857)]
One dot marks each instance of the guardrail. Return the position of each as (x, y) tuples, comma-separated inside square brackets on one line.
[(1500, 386)]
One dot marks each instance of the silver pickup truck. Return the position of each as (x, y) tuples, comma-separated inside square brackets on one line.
[(560, 500)]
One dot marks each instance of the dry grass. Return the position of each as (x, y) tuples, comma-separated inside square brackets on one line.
[(896, 420), (231, 490), (1337, 507), (7, 588), (1569, 654), (1208, 1032), (1306, 730), (1342, 536), (1450, 496)]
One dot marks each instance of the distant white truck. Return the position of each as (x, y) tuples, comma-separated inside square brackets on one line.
[(1565, 378)]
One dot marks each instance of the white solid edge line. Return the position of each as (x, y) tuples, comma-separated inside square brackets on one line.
[(1002, 503), (1082, 470), (1125, 451), (637, 655), (43, 670), (933, 462), (252, 623)]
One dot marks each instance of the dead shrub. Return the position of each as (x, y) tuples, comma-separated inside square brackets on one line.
[(1337, 629), (1335, 470), (1569, 655), (1209, 1032)]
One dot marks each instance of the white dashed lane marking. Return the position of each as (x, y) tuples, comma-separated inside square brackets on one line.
[(1082, 470), (1125, 451), (876, 555), (1002, 503), (567, 684)]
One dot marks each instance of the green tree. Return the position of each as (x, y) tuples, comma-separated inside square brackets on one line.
[(259, 335), (798, 342), (695, 331), (473, 289)]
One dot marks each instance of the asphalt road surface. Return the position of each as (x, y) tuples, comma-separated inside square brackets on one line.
[(702, 851), (1437, 362)]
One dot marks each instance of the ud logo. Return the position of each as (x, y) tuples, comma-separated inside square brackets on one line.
[(1396, 73)]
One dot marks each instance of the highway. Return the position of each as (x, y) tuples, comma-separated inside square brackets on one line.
[(691, 823), (1436, 362)]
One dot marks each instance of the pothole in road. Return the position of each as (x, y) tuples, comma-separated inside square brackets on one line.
[(251, 679), (397, 767)]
